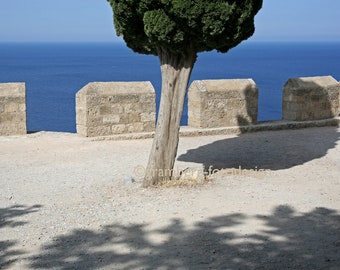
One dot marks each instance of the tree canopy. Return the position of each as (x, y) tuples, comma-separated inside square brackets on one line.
[(180, 25)]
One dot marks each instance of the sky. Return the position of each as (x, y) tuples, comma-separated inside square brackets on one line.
[(91, 21)]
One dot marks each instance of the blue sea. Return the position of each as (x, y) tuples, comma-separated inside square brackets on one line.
[(54, 72)]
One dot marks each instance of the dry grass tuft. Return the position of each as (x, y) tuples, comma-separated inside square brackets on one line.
[(183, 183)]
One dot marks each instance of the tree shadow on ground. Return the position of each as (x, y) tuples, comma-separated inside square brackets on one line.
[(273, 150), (8, 218), (287, 240)]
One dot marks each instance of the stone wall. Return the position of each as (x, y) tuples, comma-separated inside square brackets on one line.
[(12, 109), (310, 98), (108, 108), (222, 103), (111, 108)]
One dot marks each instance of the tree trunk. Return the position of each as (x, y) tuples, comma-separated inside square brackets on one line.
[(176, 70)]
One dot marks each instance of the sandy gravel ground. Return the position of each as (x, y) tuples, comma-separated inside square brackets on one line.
[(65, 204)]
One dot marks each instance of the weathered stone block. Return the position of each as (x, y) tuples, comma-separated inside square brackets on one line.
[(148, 117), (108, 108), (111, 119), (221, 103), (339, 100), (118, 129), (310, 98), (12, 109)]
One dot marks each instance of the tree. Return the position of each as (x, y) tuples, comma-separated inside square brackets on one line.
[(175, 31)]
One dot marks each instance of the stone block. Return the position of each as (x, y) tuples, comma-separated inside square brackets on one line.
[(108, 108), (222, 103), (12, 109), (339, 99), (310, 98)]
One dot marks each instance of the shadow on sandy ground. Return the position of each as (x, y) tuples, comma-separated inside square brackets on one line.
[(272, 150), (275, 150), (289, 240), (8, 218)]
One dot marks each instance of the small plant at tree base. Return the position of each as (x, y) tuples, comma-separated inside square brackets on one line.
[(175, 31)]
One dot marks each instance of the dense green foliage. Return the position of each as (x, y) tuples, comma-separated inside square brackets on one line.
[(177, 26)]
